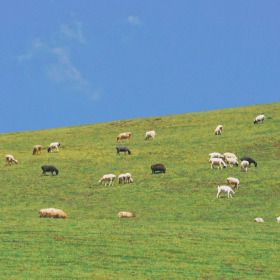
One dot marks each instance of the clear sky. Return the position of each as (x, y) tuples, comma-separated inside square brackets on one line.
[(72, 62)]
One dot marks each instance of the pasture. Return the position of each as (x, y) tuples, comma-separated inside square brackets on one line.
[(181, 230)]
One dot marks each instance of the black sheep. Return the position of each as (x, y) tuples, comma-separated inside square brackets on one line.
[(123, 149), (49, 168), (158, 167), (250, 160)]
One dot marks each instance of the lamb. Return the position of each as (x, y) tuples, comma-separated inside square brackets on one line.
[(108, 177), (36, 149), (125, 178), (123, 149), (231, 161), (125, 135), (216, 155), (225, 189), (53, 146), (217, 161), (250, 160), (125, 215), (218, 130), (244, 165), (230, 155), (233, 181), (150, 134), (49, 168), (128, 178), (258, 220), (278, 219), (52, 213), (259, 118), (158, 167), (10, 159)]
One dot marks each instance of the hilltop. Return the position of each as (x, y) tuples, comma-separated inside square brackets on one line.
[(181, 230)]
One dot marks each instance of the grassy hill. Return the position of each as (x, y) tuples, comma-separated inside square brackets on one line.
[(181, 230)]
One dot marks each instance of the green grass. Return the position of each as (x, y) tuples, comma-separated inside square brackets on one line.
[(181, 230)]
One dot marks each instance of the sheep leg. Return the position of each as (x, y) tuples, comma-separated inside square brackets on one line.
[(128, 139), (218, 194)]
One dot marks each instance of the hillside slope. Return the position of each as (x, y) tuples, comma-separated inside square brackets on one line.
[(181, 230)]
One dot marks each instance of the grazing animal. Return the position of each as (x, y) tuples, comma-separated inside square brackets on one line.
[(233, 181), (244, 165), (52, 213), (128, 178), (49, 168), (123, 149), (217, 161), (216, 155), (259, 118), (230, 155), (36, 149), (218, 130), (108, 177), (225, 189), (250, 160), (125, 135), (125, 215), (10, 159), (125, 178), (259, 220), (53, 146), (231, 161), (150, 134), (158, 167), (278, 219)]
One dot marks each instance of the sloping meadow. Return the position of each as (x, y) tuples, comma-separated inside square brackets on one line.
[(181, 230)]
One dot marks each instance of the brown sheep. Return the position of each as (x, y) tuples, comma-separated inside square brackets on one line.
[(52, 213), (125, 215), (36, 149)]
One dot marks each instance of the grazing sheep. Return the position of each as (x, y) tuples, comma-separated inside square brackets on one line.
[(158, 167), (49, 168), (125, 215), (123, 149), (128, 178), (233, 181), (225, 189), (53, 146), (36, 149), (244, 165), (259, 118), (250, 160), (108, 177), (218, 130), (10, 159), (231, 161), (52, 213), (121, 178), (259, 220), (217, 161), (230, 155), (278, 219), (150, 134), (125, 135), (216, 155)]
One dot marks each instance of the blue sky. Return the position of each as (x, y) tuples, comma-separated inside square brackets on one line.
[(72, 62)]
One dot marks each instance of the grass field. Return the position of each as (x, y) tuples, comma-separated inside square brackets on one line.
[(181, 230)]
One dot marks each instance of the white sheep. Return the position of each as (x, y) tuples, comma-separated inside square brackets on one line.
[(53, 146), (278, 219), (126, 215), (217, 161), (230, 155), (244, 165), (258, 220), (225, 189), (150, 134), (259, 118), (125, 178), (216, 155), (231, 161), (218, 130), (10, 159), (233, 181), (108, 177), (128, 178)]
